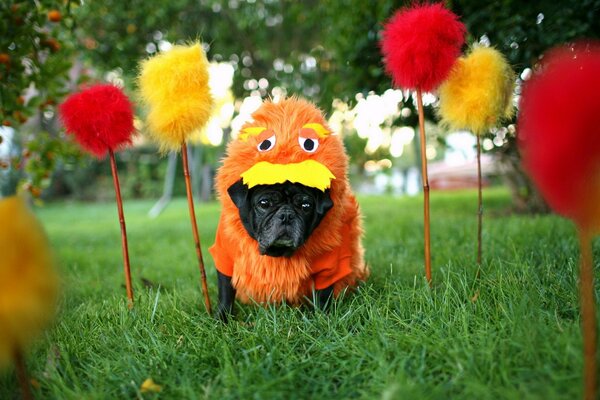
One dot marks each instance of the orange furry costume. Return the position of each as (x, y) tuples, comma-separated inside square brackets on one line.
[(333, 254)]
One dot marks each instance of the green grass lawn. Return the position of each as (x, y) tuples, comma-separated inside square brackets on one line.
[(512, 334)]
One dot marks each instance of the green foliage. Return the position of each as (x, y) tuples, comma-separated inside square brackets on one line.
[(514, 333), (34, 50), (322, 50), (354, 63), (141, 175), (116, 35), (40, 157), (523, 31), (35, 58)]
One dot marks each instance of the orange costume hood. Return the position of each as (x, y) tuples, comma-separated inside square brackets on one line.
[(333, 254)]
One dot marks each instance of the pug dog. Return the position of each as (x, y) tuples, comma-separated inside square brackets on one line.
[(290, 227), (280, 218)]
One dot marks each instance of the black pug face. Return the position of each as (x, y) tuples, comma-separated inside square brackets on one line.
[(280, 217)]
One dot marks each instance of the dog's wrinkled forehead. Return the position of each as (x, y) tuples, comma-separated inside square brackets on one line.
[(282, 191), (244, 197)]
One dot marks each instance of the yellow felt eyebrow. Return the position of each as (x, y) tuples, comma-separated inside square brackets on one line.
[(251, 131), (319, 129)]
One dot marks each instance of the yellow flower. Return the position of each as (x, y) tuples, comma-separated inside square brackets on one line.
[(28, 281)]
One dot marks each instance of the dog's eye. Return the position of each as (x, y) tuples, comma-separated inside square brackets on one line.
[(266, 144), (306, 206), (264, 204), (309, 145)]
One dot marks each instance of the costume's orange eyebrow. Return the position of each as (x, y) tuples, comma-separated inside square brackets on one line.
[(319, 129), (250, 131)]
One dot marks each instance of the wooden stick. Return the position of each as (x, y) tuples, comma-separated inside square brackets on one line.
[(190, 199), (425, 186), (588, 314), (22, 375), (480, 203), (126, 266)]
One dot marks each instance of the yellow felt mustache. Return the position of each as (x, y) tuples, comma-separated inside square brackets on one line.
[(308, 173)]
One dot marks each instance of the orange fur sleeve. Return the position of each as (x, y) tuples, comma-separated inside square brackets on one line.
[(223, 251), (333, 266), (336, 264)]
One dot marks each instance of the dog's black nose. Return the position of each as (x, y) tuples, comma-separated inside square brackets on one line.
[(286, 215)]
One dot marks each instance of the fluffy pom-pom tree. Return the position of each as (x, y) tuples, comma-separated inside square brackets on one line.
[(174, 86), (28, 284), (478, 92), (559, 139), (476, 95), (101, 119), (420, 44)]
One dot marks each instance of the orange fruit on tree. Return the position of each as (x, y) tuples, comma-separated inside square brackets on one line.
[(52, 44), (54, 16), (4, 59)]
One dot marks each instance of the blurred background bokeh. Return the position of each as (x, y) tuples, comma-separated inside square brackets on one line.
[(326, 51)]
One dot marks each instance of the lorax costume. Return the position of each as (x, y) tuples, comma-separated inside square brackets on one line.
[(289, 141)]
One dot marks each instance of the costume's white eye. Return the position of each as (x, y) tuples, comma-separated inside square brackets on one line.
[(309, 145), (266, 144)]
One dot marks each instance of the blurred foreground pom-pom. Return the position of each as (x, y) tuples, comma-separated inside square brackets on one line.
[(174, 86), (28, 280), (420, 44), (478, 92), (100, 117), (559, 131)]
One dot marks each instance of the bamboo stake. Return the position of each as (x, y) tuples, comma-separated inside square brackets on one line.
[(425, 180), (190, 199), (480, 203), (588, 314), (126, 266), (22, 375)]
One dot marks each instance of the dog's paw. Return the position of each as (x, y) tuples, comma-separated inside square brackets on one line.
[(223, 314), (323, 298)]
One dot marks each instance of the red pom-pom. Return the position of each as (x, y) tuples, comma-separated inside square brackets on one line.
[(559, 131), (100, 117), (420, 45)]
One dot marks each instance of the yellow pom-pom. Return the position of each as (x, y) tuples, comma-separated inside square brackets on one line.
[(174, 85), (28, 281), (478, 91)]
